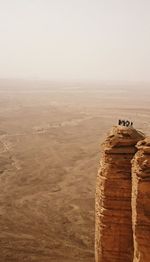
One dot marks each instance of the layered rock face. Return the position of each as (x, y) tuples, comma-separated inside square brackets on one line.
[(114, 236), (141, 201)]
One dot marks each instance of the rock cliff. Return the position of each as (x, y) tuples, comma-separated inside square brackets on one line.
[(114, 236), (141, 201)]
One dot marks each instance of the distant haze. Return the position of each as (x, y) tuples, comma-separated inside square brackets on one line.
[(75, 39)]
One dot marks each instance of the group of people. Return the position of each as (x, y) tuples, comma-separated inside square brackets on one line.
[(125, 123)]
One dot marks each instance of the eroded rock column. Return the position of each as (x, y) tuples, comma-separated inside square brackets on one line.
[(114, 236), (141, 201)]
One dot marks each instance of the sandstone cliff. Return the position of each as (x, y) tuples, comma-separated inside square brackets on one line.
[(141, 201), (114, 236)]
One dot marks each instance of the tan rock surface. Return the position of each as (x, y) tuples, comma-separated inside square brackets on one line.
[(141, 201), (114, 237)]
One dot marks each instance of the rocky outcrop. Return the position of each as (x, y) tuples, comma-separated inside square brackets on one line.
[(141, 201), (114, 236)]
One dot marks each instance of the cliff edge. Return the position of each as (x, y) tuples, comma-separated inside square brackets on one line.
[(114, 235), (141, 201)]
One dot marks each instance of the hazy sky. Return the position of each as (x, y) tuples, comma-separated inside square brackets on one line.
[(75, 39)]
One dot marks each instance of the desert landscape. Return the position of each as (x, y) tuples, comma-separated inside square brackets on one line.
[(50, 136)]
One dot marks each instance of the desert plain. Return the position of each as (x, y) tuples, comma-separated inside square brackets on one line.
[(50, 136)]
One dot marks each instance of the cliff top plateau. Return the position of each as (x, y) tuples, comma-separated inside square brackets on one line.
[(122, 139), (144, 145)]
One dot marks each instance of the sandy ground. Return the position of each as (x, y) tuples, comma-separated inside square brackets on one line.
[(50, 139)]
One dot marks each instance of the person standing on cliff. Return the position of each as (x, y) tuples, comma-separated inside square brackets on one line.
[(128, 123), (119, 122)]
